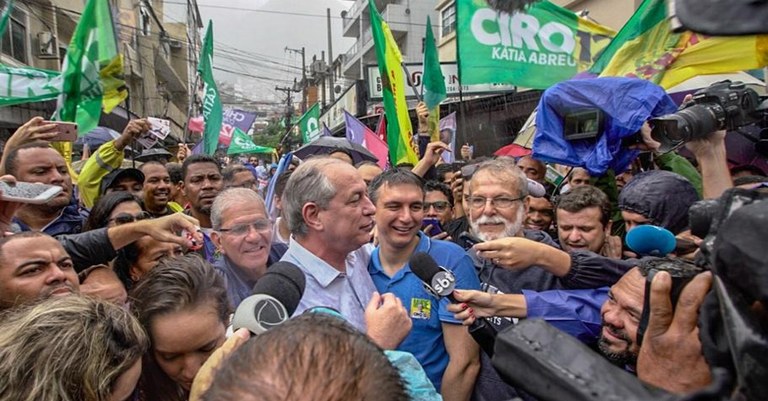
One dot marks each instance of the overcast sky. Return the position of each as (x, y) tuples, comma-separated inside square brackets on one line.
[(257, 30)]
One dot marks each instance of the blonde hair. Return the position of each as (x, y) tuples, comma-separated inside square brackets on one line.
[(71, 348)]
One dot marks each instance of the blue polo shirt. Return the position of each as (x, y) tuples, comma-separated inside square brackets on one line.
[(425, 341)]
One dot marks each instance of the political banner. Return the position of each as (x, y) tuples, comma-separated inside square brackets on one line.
[(448, 136), (537, 48), (27, 85), (239, 118)]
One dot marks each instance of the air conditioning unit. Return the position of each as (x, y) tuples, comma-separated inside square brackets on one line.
[(47, 45), (175, 44)]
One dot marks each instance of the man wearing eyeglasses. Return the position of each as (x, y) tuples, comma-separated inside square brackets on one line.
[(242, 234), (512, 259), (438, 202)]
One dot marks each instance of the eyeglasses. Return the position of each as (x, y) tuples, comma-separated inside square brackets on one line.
[(125, 218), (478, 202), (261, 226), (440, 206)]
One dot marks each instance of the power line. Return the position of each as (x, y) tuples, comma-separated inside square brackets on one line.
[(292, 13), (241, 55), (234, 55)]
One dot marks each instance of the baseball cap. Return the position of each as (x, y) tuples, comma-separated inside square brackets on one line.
[(119, 174)]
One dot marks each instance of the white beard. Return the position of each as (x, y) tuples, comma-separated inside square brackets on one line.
[(511, 229)]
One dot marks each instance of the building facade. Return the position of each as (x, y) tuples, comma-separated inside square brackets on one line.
[(407, 21), (160, 57)]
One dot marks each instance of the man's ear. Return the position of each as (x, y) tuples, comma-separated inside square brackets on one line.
[(183, 188), (526, 203), (310, 212), (608, 227), (216, 239)]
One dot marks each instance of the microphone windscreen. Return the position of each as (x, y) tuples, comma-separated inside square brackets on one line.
[(283, 281), (424, 267), (535, 189), (651, 240)]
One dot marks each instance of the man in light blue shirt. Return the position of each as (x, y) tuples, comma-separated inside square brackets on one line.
[(331, 219)]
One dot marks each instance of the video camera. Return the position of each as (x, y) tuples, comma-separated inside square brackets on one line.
[(723, 105)]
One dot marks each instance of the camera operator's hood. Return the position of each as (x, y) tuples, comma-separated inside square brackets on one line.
[(734, 337), (625, 103), (661, 196)]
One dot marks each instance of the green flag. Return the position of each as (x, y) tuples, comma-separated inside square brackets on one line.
[(537, 48), (433, 83), (241, 143), (212, 110), (309, 124), (6, 15), (92, 71)]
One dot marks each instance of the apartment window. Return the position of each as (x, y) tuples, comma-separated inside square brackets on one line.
[(448, 20), (14, 42), (145, 19)]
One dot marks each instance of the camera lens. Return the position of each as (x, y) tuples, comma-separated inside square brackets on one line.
[(687, 124), (701, 120)]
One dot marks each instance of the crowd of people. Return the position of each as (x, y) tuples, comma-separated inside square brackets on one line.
[(132, 296)]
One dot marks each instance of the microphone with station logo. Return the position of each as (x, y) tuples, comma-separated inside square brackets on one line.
[(441, 282), (275, 297)]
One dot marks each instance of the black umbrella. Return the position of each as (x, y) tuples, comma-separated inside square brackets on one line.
[(328, 144), (97, 137)]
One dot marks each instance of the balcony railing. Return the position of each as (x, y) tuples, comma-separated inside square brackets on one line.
[(351, 15)]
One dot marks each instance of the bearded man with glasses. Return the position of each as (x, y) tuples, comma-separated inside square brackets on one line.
[(515, 260), (511, 258), (242, 234)]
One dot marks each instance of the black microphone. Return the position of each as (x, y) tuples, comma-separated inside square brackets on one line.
[(441, 282), (275, 297)]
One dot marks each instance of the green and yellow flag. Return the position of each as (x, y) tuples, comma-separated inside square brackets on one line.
[(93, 70), (646, 48), (399, 131)]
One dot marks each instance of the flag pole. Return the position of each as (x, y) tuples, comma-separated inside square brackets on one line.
[(189, 108), (127, 102), (411, 84)]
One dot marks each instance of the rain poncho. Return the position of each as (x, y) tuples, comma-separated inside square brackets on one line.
[(626, 104), (662, 197)]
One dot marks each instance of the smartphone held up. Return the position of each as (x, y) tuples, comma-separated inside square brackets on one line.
[(67, 131), (28, 192)]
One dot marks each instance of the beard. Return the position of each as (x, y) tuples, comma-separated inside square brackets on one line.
[(510, 228), (619, 358)]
